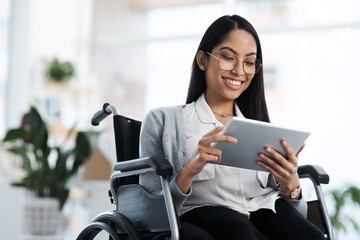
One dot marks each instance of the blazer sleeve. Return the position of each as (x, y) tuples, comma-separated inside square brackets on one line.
[(300, 205), (151, 144)]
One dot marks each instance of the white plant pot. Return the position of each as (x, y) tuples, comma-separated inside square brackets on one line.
[(42, 216)]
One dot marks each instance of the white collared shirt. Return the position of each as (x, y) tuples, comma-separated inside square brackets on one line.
[(240, 189)]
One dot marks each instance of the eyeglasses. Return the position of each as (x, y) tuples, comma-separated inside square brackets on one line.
[(250, 66)]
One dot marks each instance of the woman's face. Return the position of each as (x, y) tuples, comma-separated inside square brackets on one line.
[(226, 85)]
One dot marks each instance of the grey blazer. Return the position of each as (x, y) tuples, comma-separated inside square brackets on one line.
[(162, 134)]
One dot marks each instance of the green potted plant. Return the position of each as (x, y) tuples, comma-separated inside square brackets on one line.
[(341, 197), (48, 169), (60, 71)]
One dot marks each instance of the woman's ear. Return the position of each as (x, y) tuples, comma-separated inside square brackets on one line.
[(201, 59)]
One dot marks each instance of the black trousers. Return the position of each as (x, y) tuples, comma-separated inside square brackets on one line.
[(213, 222)]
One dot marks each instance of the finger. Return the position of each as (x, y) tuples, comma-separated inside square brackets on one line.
[(289, 152), (207, 141), (280, 160), (205, 158), (210, 150), (276, 175), (298, 152), (214, 131), (284, 167), (273, 164)]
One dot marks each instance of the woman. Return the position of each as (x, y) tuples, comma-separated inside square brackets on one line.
[(214, 201)]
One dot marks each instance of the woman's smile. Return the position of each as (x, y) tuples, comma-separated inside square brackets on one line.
[(233, 83)]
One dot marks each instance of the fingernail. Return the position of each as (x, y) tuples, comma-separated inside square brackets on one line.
[(268, 149), (284, 143)]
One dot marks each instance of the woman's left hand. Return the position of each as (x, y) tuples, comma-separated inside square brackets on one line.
[(284, 170)]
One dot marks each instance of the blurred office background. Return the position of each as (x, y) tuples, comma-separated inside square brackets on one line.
[(137, 55)]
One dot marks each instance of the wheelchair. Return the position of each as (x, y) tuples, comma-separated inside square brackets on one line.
[(141, 215)]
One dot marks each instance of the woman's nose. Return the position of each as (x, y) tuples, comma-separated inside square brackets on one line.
[(239, 68)]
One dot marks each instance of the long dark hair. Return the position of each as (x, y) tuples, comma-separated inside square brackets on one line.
[(252, 101)]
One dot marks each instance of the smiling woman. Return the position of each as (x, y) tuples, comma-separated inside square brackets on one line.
[(236, 53), (220, 202)]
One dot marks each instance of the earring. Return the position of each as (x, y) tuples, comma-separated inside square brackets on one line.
[(202, 67)]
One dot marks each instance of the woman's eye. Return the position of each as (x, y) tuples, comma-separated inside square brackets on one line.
[(249, 63), (227, 58)]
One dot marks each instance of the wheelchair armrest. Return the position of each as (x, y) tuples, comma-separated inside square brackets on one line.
[(315, 172), (160, 165)]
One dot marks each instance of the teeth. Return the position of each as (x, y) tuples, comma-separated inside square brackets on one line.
[(236, 83)]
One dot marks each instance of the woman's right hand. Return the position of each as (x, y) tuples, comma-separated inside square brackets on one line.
[(205, 152)]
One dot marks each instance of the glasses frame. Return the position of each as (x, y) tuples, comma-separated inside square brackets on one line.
[(219, 58)]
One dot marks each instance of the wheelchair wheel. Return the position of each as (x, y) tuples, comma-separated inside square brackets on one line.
[(91, 230), (122, 225)]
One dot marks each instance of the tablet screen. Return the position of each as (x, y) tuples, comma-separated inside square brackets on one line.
[(252, 138)]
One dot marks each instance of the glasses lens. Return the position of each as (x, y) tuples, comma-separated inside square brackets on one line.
[(227, 64), (251, 66)]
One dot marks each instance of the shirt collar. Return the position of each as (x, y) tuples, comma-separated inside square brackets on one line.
[(204, 112)]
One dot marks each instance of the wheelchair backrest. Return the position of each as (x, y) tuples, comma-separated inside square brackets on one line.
[(127, 133)]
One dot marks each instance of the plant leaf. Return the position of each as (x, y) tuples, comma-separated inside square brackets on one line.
[(60, 170), (338, 198), (339, 226), (36, 182), (354, 223), (22, 151), (341, 197), (354, 194), (38, 133), (62, 196), (84, 146), (14, 134), (18, 184)]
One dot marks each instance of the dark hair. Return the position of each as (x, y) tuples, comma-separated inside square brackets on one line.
[(252, 101)]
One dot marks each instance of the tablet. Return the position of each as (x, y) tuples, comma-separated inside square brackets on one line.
[(252, 137)]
